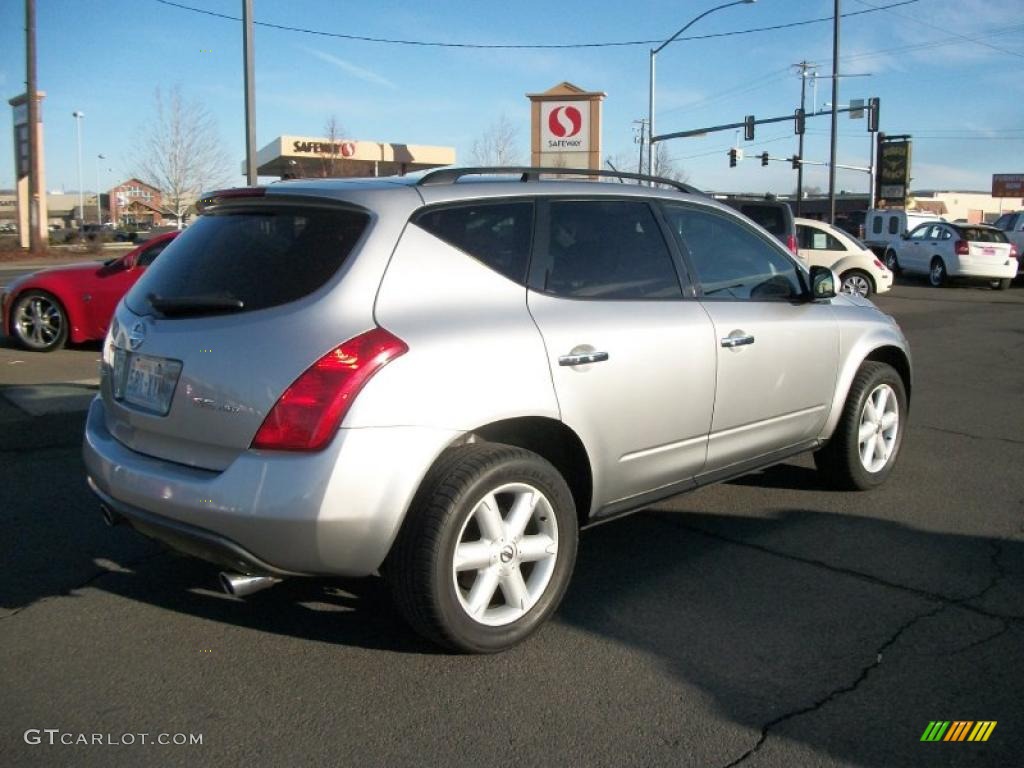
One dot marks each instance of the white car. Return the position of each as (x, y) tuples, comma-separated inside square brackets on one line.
[(859, 270), (942, 250), (883, 227)]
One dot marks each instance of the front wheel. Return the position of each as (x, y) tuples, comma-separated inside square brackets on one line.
[(937, 274), (39, 322), (488, 547), (867, 440), (856, 283)]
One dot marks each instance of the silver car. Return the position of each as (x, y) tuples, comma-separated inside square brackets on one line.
[(443, 380)]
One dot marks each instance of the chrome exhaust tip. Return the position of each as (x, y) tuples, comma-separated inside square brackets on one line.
[(110, 517), (240, 585)]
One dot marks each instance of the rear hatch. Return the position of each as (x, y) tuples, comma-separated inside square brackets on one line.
[(236, 308), (986, 245)]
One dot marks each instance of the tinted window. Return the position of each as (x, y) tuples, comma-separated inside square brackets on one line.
[(771, 217), (894, 225), (733, 262), (498, 235), (979, 235), (1003, 222), (147, 256), (876, 225), (262, 256), (608, 250), (814, 239)]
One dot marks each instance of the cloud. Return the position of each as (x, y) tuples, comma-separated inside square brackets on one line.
[(363, 74)]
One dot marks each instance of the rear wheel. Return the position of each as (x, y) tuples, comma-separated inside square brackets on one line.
[(937, 274), (1004, 284), (891, 262), (867, 440), (857, 283), (39, 322), (487, 549)]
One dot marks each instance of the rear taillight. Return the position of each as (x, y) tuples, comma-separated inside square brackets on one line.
[(307, 415), (880, 265), (1013, 251), (791, 244), (962, 248)]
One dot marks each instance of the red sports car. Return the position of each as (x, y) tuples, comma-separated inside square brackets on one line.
[(45, 309)]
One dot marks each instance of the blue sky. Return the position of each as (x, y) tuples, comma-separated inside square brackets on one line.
[(935, 64)]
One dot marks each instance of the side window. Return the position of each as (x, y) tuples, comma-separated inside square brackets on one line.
[(814, 239), (945, 234), (147, 256), (497, 234), (733, 262), (876, 225), (920, 232), (608, 250), (894, 225)]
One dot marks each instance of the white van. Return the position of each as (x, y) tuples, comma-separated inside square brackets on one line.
[(883, 227)]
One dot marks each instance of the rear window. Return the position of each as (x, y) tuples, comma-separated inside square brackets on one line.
[(262, 256), (979, 235), (771, 217)]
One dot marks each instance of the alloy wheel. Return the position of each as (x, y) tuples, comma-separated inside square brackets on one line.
[(879, 426), (505, 554), (38, 322), (856, 285)]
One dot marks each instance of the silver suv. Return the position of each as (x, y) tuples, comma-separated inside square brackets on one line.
[(442, 380)]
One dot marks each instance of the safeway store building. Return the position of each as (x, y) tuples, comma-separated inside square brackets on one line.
[(290, 157)]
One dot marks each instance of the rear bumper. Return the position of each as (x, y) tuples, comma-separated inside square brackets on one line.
[(985, 270), (335, 512)]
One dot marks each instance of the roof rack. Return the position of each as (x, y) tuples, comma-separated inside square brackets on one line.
[(526, 173)]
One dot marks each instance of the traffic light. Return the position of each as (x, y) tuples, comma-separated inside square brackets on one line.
[(733, 157), (873, 104), (764, 158), (748, 128), (798, 122), (795, 159)]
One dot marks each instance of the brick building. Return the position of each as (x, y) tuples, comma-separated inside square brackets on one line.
[(134, 202)]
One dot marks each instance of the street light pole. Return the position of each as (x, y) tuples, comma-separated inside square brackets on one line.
[(248, 53), (78, 115), (650, 92), (835, 116), (99, 208)]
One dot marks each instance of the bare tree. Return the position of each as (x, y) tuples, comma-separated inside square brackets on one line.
[(181, 152), (498, 144), (330, 165), (667, 166)]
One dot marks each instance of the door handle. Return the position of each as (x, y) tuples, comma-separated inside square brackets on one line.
[(583, 358), (737, 340)]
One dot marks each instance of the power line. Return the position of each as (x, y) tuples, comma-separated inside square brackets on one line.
[(532, 46)]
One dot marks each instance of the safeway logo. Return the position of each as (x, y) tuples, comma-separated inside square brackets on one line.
[(565, 122)]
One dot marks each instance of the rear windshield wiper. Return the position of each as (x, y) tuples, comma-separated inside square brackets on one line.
[(179, 306)]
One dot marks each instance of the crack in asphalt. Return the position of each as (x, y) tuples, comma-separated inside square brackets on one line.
[(837, 692), (959, 602), (94, 577), (942, 602), (958, 433)]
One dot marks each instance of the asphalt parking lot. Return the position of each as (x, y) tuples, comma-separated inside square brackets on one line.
[(765, 622)]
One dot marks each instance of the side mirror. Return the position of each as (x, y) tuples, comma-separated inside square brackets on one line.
[(904, 235), (823, 283)]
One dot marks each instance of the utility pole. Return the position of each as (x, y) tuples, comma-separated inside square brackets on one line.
[(34, 226), (248, 42), (643, 141), (804, 67), (835, 116)]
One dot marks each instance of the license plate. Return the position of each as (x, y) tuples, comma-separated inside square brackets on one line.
[(145, 382), (988, 251)]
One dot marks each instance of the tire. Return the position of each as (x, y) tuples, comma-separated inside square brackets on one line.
[(1004, 284), (891, 262), (39, 322), (857, 282), (473, 608), (937, 274), (841, 462)]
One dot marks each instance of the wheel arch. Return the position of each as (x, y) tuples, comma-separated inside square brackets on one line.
[(881, 348), (554, 441)]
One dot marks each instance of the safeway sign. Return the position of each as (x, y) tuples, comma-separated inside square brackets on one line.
[(565, 126)]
